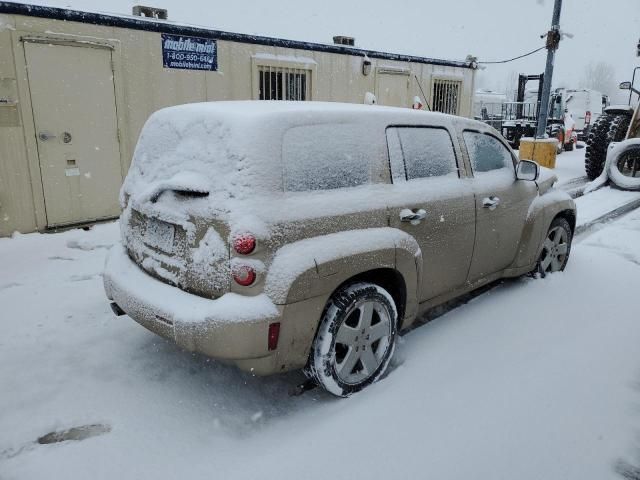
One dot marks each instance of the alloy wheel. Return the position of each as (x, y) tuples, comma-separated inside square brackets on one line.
[(362, 341), (554, 250)]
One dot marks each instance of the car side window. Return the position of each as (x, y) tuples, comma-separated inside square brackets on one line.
[(420, 152), (325, 157), (486, 152)]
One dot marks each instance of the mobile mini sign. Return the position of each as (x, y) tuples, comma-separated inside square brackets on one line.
[(189, 53)]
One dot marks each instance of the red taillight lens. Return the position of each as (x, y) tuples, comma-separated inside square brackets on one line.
[(587, 118), (244, 275), (274, 334), (244, 244)]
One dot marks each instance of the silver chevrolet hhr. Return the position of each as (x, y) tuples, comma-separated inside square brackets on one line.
[(302, 235)]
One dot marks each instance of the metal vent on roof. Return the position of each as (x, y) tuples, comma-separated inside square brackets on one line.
[(342, 40), (151, 12)]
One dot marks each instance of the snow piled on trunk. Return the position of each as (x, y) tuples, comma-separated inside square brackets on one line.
[(212, 148)]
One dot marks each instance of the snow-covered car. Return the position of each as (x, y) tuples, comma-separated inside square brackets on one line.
[(301, 235)]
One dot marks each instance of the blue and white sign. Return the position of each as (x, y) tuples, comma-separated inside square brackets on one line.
[(189, 53)]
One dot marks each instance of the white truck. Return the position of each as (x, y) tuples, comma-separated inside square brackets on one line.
[(585, 106)]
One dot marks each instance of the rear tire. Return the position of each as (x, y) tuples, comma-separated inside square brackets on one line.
[(560, 146), (355, 339), (609, 127), (569, 147)]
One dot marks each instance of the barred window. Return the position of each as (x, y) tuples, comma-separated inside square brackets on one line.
[(279, 83), (445, 96)]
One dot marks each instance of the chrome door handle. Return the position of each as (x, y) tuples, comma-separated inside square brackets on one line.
[(413, 216), (44, 136), (490, 202)]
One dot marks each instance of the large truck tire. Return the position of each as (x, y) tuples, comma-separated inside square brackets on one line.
[(609, 127), (625, 156)]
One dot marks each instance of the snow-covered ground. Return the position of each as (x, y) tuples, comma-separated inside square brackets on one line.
[(533, 379), (570, 166)]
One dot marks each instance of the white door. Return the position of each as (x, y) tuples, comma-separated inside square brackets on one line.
[(73, 101), (392, 87)]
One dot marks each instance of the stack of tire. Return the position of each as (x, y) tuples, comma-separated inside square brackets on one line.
[(611, 126)]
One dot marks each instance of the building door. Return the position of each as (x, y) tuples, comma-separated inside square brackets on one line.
[(392, 87), (73, 102)]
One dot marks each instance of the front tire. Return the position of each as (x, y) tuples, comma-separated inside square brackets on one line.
[(355, 339), (555, 248)]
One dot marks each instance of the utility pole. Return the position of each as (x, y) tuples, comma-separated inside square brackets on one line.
[(553, 40)]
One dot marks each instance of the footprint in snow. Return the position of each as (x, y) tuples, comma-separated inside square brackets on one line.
[(74, 433), (71, 434), (7, 286), (83, 278), (87, 246)]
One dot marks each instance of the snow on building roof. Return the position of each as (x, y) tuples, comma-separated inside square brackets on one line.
[(165, 26)]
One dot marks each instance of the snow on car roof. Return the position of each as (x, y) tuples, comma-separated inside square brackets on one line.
[(248, 151), (234, 146), (243, 107)]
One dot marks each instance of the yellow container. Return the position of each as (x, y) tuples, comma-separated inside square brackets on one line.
[(540, 150)]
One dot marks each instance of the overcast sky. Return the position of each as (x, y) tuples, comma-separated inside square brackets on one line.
[(489, 29)]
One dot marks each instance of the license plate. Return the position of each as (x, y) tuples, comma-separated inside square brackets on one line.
[(160, 235)]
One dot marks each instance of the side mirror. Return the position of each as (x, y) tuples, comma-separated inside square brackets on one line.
[(625, 86), (527, 170)]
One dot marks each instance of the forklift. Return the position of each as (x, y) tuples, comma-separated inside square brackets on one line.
[(520, 118)]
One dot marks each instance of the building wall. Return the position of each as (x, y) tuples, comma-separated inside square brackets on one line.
[(143, 86)]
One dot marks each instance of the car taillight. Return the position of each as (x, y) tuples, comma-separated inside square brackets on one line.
[(274, 334), (587, 118), (244, 244), (244, 275)]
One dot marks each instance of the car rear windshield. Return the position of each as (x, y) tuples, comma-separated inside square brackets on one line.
[(326, 156)]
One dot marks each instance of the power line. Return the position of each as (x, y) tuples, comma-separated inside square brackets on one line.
[(516, 58)]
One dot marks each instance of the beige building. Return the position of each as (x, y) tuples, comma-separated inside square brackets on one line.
[(76, 88)]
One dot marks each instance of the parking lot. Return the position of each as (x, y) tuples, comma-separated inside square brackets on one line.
[(532, 379)]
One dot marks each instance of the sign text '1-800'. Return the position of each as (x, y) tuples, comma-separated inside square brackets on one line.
[(189, 53)]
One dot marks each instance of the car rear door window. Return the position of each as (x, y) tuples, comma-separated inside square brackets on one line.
[(420, 152), (325, 157), (486, 152)]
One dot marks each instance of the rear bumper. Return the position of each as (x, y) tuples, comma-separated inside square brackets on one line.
[(233, 327)]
